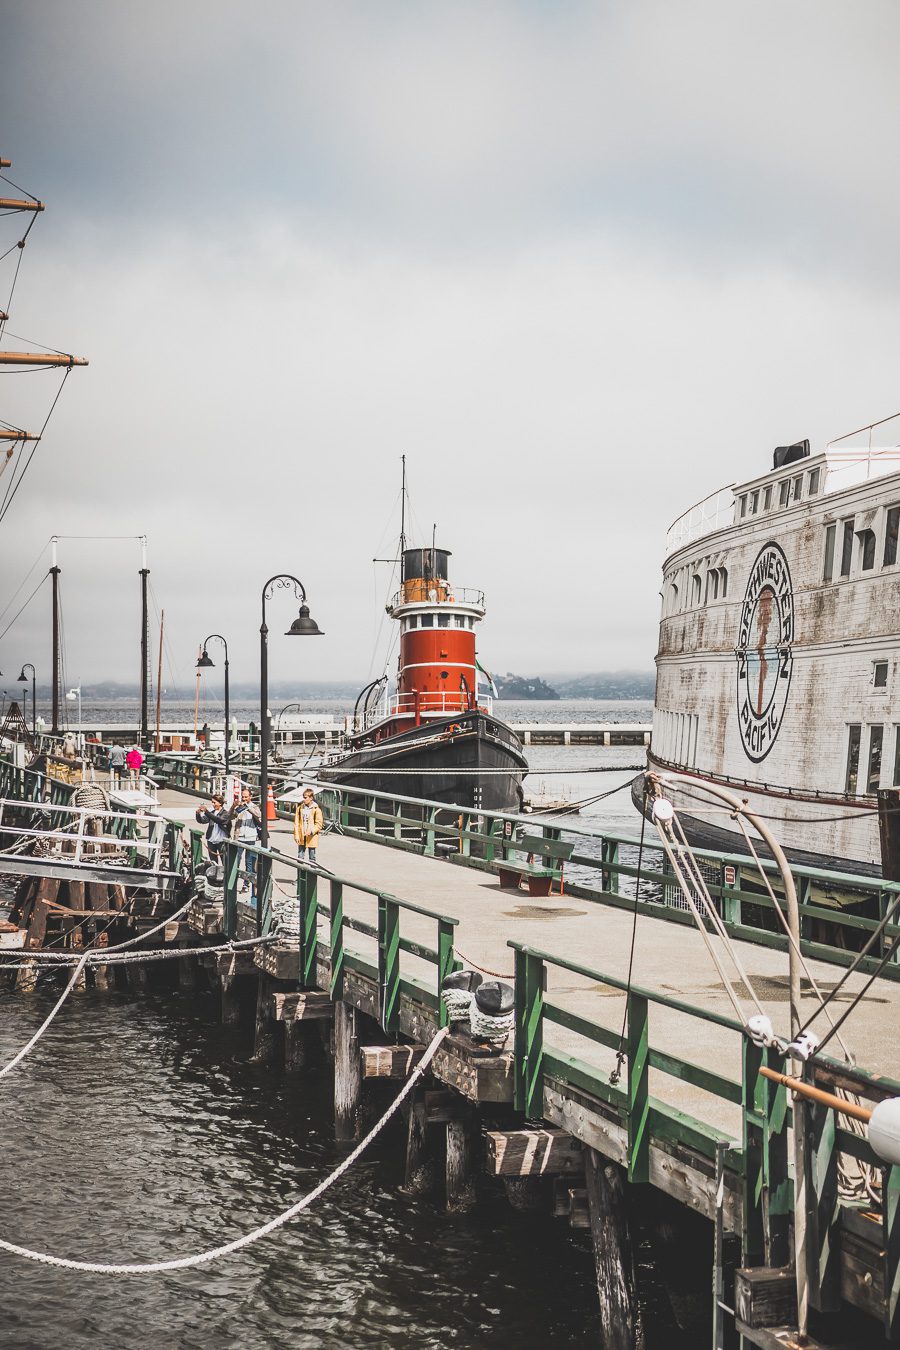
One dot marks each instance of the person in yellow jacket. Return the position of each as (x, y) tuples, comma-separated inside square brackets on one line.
[(308, 822)]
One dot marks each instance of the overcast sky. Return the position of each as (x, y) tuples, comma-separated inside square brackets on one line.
[(582, 263)]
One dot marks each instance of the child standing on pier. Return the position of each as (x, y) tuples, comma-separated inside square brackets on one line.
[(308, 822)]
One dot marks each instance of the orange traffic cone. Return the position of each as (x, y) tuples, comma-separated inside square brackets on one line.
[(271, 813)]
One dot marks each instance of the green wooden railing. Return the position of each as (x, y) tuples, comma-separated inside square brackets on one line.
[(602, 867)]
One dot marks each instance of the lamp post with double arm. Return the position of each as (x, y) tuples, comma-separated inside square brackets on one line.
[(204, 662), (303, 626)]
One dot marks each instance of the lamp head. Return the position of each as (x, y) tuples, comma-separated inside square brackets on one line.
[(23, 678), (304, 626), (203, 661)]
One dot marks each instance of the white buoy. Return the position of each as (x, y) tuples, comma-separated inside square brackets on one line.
[(884, 1131)]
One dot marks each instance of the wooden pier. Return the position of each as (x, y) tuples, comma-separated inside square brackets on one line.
[(608, 1088)]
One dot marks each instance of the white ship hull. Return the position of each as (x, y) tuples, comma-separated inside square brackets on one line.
[(777, 667)]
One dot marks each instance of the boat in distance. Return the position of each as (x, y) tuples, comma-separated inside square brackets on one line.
[(437, 738)]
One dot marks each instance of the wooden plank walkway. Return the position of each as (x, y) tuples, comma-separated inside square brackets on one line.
[(668, 959)]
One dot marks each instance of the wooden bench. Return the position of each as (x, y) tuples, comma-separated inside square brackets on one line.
[(539, 876), (539, 879)]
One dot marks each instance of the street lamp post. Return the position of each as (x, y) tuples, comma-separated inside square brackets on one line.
[(204, 662), (303, 626), (23, 679)]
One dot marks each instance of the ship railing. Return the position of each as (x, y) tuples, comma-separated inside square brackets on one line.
[(714, 512), (850, 465), (432, 705), (602, 867), (441, 593)]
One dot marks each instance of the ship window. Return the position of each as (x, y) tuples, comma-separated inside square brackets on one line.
[(460, 621), (879, 678), (890, 536), (897, 756), (743, 501), (798, 488), (443, 621), (696, 586), (876, 739), (754, 502), (413, 620), (427, 621), (723, 573), (829, 553), (767, 499), (852, 759), (867, 549), (712, 584), (847, 548), (813, 486), (784, 492)]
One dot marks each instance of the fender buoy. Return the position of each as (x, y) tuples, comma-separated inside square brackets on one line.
[(271, 812)]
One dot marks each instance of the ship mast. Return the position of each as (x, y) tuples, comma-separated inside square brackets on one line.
[(403, 507)]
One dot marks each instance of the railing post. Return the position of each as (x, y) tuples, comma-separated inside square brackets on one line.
[(196, 851), (891, 1246), (336, 906), (431, 817), (753, 1109), (777, 1209), (609, 857), (389, 963), (263, 894), (638, 1087), (229, 891), (398, 821), (529, 1040), (731, 903), (307, 894), (446, 963), (822, 1204), (371, 825), (175, 842)]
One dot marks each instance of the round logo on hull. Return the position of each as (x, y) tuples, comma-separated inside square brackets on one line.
[(764, 652)]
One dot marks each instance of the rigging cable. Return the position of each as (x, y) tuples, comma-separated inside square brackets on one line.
[(10, 496)]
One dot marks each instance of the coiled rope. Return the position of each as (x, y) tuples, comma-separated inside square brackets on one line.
[(202, 1258)]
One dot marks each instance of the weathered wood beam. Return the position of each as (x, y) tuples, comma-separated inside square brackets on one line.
[(459, 1170), (306, 1006), (536, 1152), (348, 1078), (620, 1315), (390, 1061)]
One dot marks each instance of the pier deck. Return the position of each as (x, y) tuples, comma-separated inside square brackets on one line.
[(671, 960)]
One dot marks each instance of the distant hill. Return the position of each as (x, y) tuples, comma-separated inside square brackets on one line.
[(608, 684), (523, 687)]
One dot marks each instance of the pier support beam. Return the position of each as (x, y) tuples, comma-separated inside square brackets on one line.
[(420, 1172), (347, 1072), (620, 1317), (264, 1037), (231, 1004), (460, 1175)]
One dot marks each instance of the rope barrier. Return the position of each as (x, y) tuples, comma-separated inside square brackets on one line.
[(202, 1258)]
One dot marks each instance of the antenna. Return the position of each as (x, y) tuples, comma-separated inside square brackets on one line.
[(403, 507)]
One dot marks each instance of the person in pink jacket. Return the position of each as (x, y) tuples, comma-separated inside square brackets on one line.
[(134, 759)]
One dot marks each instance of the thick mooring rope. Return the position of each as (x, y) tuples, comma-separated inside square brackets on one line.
[(201, 1258)]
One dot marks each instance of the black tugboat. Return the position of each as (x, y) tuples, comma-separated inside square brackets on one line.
[(437, 738)]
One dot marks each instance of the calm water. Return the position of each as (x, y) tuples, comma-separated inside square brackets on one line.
[(138, 1129)]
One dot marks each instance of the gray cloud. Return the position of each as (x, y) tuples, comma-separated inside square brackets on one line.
[(581, 263)]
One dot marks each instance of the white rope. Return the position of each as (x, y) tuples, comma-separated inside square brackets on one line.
[(49, 1018), (201, 1258), (823, 1006), (97, 956)]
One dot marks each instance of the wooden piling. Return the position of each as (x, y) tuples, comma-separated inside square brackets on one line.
[(620, 1317), (230, 1004), (264, 1035), (459, 1170), (419, 1174), (347, 1072)]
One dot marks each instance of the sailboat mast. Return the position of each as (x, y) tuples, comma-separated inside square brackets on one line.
[(162, 621)]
